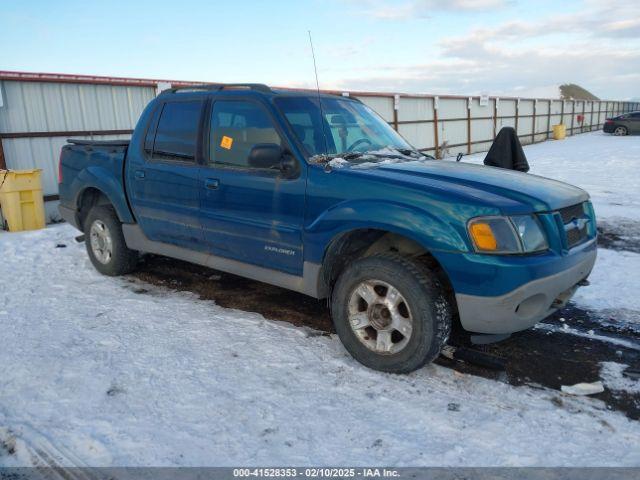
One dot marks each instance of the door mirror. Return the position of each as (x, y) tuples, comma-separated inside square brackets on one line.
[(265, 155)]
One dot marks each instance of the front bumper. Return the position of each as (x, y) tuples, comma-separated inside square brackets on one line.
[(525, 306), (609, 127)]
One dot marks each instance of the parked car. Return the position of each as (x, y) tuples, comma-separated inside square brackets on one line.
[(318, 194), (624, 124)]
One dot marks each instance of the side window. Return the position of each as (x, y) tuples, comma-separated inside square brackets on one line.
[(635, 115), (303, 126), (236, 127), (177, 132)]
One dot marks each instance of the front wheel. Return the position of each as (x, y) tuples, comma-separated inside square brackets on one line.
[(390, 313), (105, 242), (620, 131)]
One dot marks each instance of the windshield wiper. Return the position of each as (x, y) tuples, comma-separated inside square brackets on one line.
[(409, 151), (327, 157), (350, 155)]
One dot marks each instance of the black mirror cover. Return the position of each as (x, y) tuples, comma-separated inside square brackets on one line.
[(265, 155)]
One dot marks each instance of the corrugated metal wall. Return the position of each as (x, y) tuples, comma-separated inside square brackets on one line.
[(38, 108), (39, 112)]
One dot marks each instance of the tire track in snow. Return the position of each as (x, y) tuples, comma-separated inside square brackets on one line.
[(30, 447)]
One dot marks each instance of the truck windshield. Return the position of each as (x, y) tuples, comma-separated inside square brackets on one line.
[(344, 126)]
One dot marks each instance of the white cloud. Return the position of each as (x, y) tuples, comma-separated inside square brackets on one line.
[(597, 48), (392, 10)]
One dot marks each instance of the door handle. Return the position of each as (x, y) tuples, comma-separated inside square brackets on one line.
[(139, 174), (212, 183)]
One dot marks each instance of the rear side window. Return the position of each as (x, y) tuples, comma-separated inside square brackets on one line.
[(177, 132)]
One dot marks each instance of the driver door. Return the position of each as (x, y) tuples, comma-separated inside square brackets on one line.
[(250, 214)]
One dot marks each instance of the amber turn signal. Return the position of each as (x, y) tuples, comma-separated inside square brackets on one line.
[(483, 237)]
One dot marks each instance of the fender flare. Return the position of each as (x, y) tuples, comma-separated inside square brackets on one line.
[(425, 228), (104, 181)]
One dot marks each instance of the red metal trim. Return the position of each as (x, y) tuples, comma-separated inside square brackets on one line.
[(9, 75), (90, 79)]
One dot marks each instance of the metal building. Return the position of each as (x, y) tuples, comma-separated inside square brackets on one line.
[(39, 111)]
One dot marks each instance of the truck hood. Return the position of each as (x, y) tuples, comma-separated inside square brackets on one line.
[(510, 191)]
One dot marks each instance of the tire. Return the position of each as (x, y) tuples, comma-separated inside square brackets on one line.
[(422, 304), (620, 131), (105, 242)]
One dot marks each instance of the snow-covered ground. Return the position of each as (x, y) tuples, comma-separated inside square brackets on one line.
[(92, 372), (98, 374)]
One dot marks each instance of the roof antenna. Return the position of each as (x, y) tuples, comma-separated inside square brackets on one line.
[(322, 120)]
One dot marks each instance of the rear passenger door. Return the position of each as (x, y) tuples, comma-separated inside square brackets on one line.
[(164, 185), (250, 214)]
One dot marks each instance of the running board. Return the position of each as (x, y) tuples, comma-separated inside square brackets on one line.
[(307, 284)]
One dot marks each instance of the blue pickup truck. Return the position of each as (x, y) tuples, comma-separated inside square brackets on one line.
[(317, 194)]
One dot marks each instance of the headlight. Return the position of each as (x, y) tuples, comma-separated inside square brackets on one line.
[(505, 235)]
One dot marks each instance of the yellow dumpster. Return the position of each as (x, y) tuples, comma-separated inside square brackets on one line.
[(559, 132), (21, 199)]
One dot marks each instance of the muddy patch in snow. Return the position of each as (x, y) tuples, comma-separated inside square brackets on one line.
[(231, 291), (621, 235), (550, 356)]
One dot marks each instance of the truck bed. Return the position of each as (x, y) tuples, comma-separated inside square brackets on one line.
[(96, 163)]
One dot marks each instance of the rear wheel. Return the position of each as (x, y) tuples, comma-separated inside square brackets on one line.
[(390, 313), (619, 131), (105, 242)]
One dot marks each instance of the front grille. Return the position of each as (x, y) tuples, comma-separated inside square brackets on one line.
[(569, 213), (576, 236), (575, 222)]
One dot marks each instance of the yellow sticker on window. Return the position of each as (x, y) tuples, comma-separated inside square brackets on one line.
[(226, 142)]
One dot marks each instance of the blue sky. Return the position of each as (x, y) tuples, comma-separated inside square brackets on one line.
[(431, 46)]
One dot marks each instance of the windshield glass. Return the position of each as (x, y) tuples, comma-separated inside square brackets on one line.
[(350, 126)]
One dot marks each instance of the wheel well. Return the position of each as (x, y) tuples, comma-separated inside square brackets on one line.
[(88, 199), (365, 242)]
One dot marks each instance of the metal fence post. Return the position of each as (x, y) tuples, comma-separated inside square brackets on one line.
[(396, 107), (533, 123), (573, 114), (469, 125), (3, 162), (435, 126), (495, 116), (549, 119), (517, 110)]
